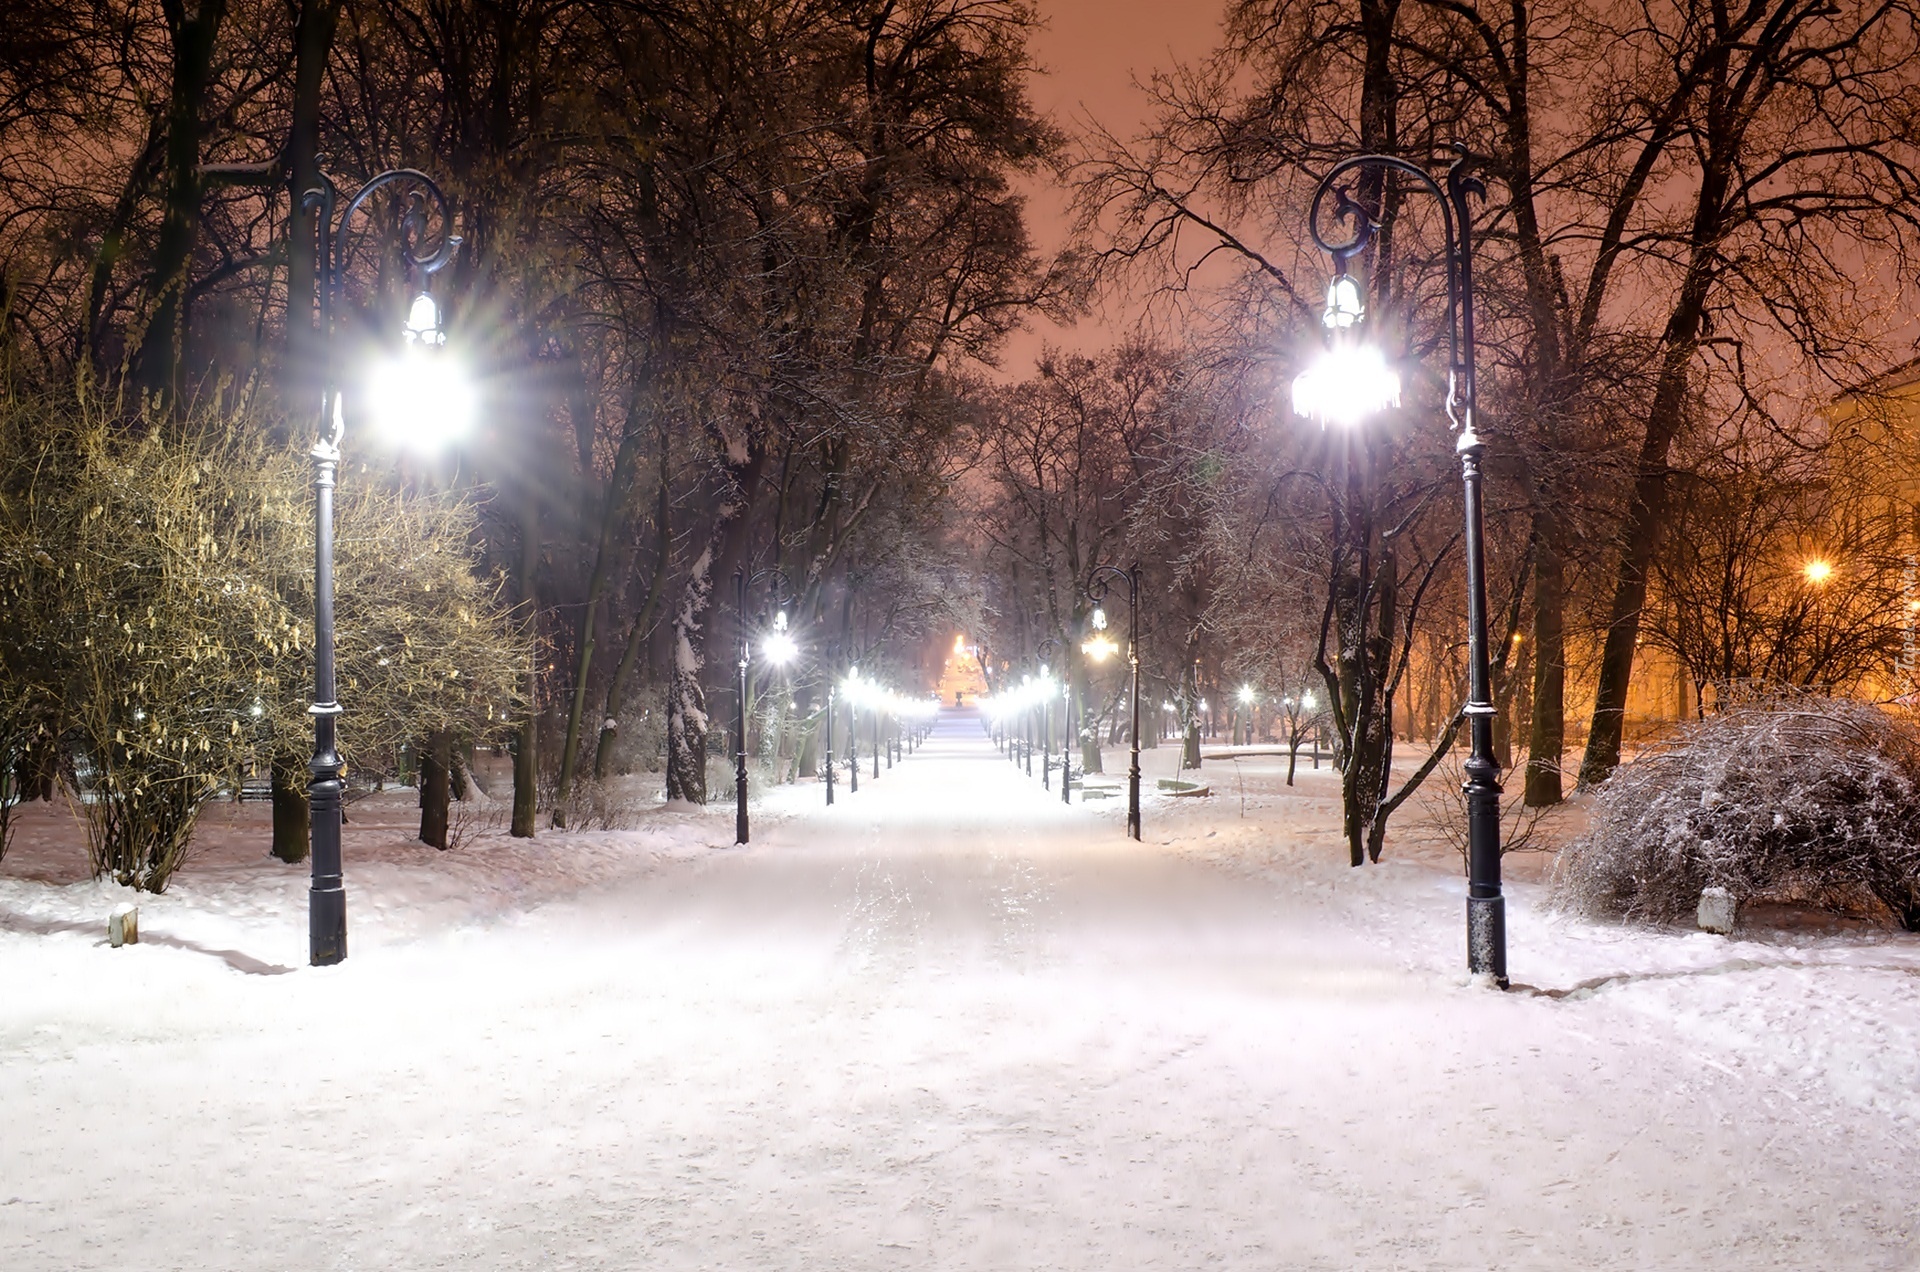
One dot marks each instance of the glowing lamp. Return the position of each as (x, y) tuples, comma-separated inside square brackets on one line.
[(779, 648), (1345, 385)]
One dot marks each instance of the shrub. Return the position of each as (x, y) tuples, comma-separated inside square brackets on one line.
[(1793, 798), (156, 613)]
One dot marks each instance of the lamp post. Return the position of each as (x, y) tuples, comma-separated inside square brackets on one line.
[(1066, 735), (327, 898), (831, 706), (1103, 578), (779, 649), (1046, 711), (1332, 392), (1028, 693), (853, 731)]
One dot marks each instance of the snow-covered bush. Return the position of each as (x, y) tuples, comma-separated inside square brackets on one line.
[(1796, 798), (156, 580)]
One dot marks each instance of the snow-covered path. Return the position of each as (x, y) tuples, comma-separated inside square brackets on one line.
[(947, 1024)]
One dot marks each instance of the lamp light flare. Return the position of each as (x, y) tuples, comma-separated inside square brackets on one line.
[(421, 399), (1345, 385), (1817, 571), (779, 648), (1246, 694)]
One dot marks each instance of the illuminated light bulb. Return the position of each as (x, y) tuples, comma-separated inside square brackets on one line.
[(1345, 385)]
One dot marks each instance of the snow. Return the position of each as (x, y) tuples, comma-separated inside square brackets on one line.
[(948, 1023)]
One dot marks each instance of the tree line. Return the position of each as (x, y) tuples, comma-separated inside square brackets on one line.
[(727, 277), (734, 278), (1697, 232)]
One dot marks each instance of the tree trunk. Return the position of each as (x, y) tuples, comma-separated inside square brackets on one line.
[(157, 363), (686, 700), (640, 629), (287, 776), (436, 789), (313, 40), (612, 513), (1645, 519), (1547, 737)]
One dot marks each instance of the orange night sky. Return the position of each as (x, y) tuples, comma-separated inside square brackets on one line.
[(1091, 52)]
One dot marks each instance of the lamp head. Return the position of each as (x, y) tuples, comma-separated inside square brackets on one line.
[(423, 322), (1344, 308)]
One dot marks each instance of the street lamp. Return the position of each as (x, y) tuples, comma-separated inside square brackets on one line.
[(327, 897), (853, 730), (1102, 578), (831, 707), (1046, 710), (1066, 736), (779, 649), (1370, 385)]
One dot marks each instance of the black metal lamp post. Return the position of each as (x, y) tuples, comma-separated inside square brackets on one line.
[(779, 649), (831, 706), (1046, 711), (853, 731), (327, 898), (1317, 393), (1028, 717), (1066, 737), (1098, 583)]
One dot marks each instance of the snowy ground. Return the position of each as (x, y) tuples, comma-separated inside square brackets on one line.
[(945, 1024)]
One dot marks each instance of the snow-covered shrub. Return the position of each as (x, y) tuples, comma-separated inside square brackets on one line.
[(1795, 798), (156, 579)]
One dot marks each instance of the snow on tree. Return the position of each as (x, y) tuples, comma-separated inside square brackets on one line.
[(686, 700)]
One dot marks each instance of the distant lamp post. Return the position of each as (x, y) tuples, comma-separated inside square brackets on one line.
[(851, 691), (421, 398), (1098, 584), (832, 706), (778, 648), (1066, 739), (1348, 384), (1046, 710)]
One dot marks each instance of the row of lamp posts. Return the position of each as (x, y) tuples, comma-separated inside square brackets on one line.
[(905, 719), (1350, 382), (1021, 717)]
